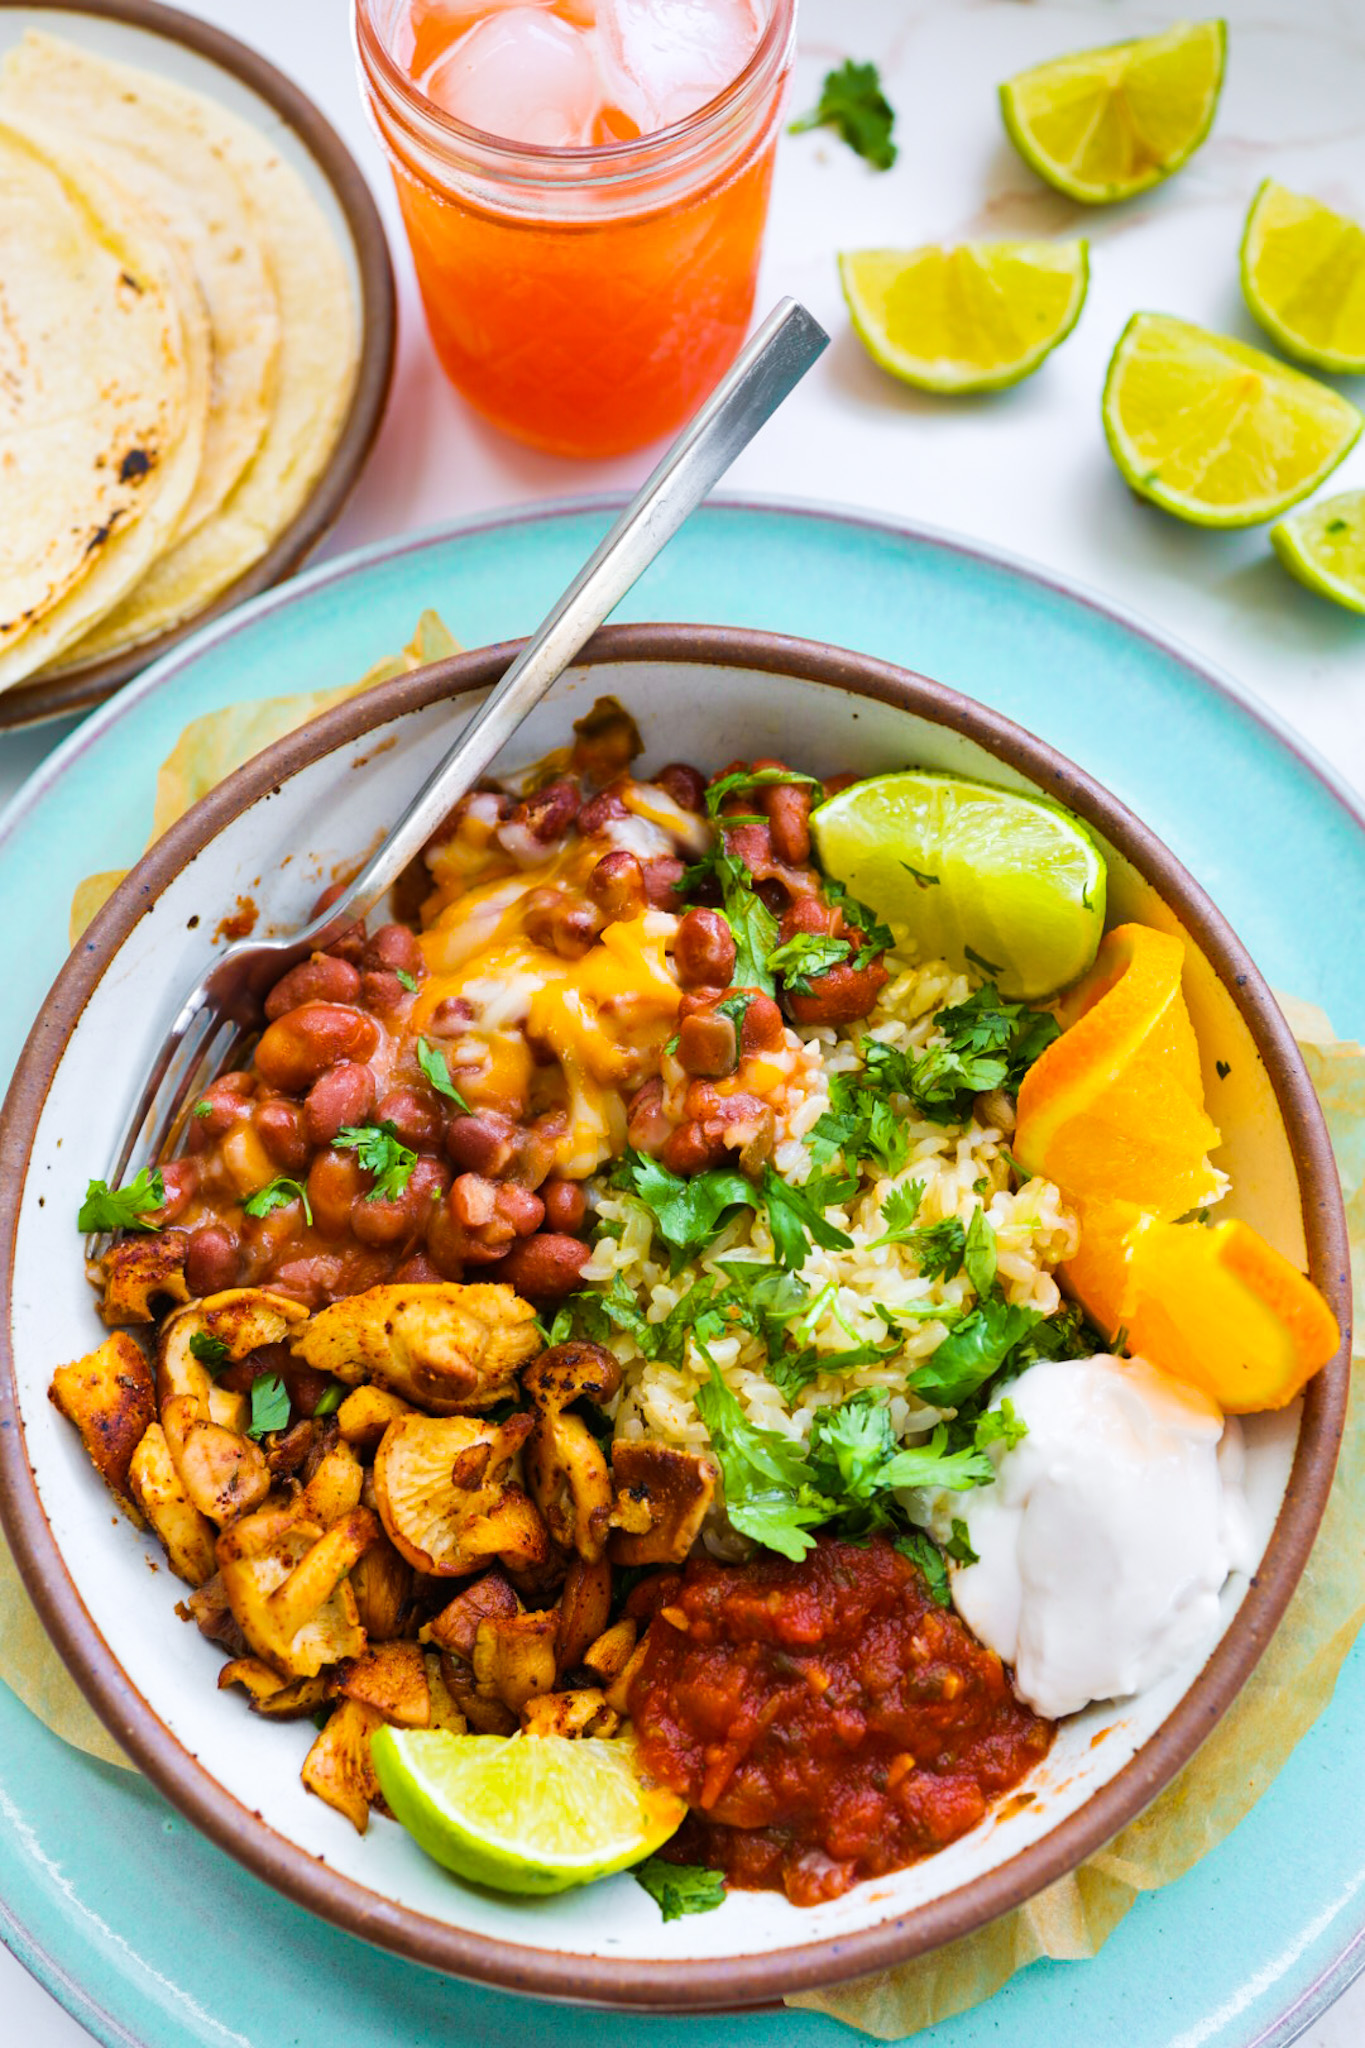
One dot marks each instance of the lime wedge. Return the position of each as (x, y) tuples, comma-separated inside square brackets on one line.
[(1216, 432), (1107, 123), (974, 318), (1324, 546), (1011, 885), (1303, 273), (523, 1813)]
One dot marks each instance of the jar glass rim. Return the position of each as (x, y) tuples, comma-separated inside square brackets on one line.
[(608, 157)]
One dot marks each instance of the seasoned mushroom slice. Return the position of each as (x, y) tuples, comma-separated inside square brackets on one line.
[(286, 1584), (444, 1346), (222, 1329), (382, 1583), (140, 1271), (514, 1657), (490, 1598), (224, 1474), (661, 1501), (186, 1535), (392, 1678), (445, 1496), (109, 1397), (584, 1609), (365, 1414), (566, 1468), (584, 1712), (278, 1699), (339, 1767)]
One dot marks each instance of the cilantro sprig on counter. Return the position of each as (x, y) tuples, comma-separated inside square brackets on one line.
[(852, 101), (126, 1208)]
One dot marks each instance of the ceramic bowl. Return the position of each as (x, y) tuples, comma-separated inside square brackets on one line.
[(275, 832)]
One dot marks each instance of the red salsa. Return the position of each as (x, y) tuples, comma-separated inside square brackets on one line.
[(825, 1721)]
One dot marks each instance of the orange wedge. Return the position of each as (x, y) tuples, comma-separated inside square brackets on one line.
[(1114, 1109), (1218, 1307), (1097, 1274)]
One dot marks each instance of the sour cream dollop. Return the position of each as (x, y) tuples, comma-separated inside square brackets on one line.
[(1108, 1533)]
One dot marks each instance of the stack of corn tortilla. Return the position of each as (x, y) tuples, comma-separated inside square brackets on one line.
[(178, 347)]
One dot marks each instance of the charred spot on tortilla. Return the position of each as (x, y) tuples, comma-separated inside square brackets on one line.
[(102, 532), (135, 464), (126, 277)]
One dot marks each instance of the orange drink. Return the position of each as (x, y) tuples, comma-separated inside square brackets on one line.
[(584, 184)]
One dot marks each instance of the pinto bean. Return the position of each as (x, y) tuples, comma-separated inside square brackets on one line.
[(840, 996), (391, 1219), (343, 1095), (227, 1099), (314, 1280), (787, 807), (662, 875), (647, 1127), (446, 1239), (548, 813), (302, 1044), (180, 1177), (349, 942), (599, 811), (473, 1200), (483, 1143), (566, 1206), (739, 1123), (417, 1271), (382, 991), (520, 1207), (606, 742), (763, 1029), (451, 1016), (689, 1150), (686, 787), (323, 979), (617, 885), (704, 950), (335, 1181), (809, 914), (546, 1267), (393, 946), (280, 1127), (416, 1118), (707, 1045), (212, 1261)]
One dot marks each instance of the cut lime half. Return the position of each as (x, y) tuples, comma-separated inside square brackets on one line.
[(523, 1813), (1218, 433), (1010, 886), (1303, 274), (1324, 546), (973, 318), (1104, 124)]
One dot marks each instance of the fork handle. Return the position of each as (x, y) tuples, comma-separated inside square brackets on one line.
[(774, 361)]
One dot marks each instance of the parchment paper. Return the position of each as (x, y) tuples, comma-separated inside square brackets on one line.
[(1290, 1687)]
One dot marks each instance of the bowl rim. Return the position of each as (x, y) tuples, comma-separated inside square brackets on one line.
[(80, 687), (737, 1981)]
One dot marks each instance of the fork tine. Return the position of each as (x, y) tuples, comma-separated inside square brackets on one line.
[(192, 1052)]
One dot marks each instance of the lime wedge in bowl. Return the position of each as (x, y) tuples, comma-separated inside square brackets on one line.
[(1324, 546), (1218, 433), (523, 1813), (1303, 275), (1104, 124), (1010, 885), (973, 318)]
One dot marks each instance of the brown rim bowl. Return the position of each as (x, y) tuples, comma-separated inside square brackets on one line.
[(858, 703), (82, 686)]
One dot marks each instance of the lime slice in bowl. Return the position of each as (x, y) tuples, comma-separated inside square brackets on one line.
[(1218, 433), (523, 1813), (973, 318), (1010, 885), (1303, 275), (1104, 124), (1324, 546)]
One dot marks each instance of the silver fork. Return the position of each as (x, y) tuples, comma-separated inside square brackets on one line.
[(225, 1007)]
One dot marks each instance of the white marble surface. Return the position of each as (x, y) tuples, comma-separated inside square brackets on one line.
[(1027, 469)]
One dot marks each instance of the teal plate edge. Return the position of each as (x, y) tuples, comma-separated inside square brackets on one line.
[(150, 1936)]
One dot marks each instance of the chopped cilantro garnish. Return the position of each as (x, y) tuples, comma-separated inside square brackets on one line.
[(978, 1253), (987, 1043), (999, 1426), (899, 1211), (752, 924), (202, 1108), (796, 1214), (406, 980), (922, 876), (852, 101), (972, 1353), (804, 957), (436, 1067), (752, 778), (208, 1349), (269, 1405), (959, 1546), (679, 1888), (278, 1194), (922, 1550), (687, 1213), (770, 1492), (377, 1148), (330, 1399), (127, 1208)]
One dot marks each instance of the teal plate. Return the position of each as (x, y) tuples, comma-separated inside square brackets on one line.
[(152, 1937)]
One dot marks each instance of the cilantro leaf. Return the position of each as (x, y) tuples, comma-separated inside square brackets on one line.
[(935, 1464), (922, 1550), (999, 1426), (753, 778), (208, 1349), (436, 1067), (406, 980), (972, 1353), (796, 1214), (687, 1212), (876, 936), (959, 1547), (377, 1148), (331, 1398), (202, 1108), (804, 957), (278, 1194), (770, 1492), (978, 1254), (679, 1888), (852, 100), (106, 1208), (938, 1248), (854, 1454), (791, 1371), (752, 925), (899, 1211), (269, 1405)]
